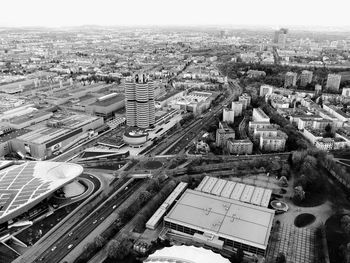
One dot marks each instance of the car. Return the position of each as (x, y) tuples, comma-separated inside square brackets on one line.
[(94, 222), (53, 249), (114, 206), (70, 246), (102, 218), (71, 233)]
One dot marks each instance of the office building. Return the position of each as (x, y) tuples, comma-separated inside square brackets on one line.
[(305, 77), (290, 79), (333, 82), (139, 102)]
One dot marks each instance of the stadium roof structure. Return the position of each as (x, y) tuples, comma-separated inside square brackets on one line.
[(223, 217), (25, 184), (185, 254)]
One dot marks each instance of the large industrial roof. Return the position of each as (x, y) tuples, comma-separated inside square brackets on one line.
[(223, 217), (237, 191), (45, 134), (23, 183)]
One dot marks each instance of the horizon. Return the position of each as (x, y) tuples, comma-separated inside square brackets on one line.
[(221, 13)]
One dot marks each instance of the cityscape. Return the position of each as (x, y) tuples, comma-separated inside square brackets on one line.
[(173, 142)]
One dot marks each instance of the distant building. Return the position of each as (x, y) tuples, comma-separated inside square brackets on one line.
[(256, 73), (318, 88), (305, 77), (237, 107), (265, 90), (228, 115), (280, 38), (325, 144), (346, 92), (223, 134), (290, 79), (139, 102), (333, 82), (240, 146)]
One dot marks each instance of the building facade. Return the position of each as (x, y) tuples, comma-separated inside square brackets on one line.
[(333, 82), (139, 102), (305, 77), (290, 79), (240, 146)]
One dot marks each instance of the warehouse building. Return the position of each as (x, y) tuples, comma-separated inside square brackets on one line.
[(57, 133)]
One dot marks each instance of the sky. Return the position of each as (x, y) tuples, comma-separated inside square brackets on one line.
[(274, 13)]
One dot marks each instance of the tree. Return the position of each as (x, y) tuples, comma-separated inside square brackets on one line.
[(99, 241), (283, 181), (281, 258), (113, 249), (345, 223), (144, 197), (299, 194)]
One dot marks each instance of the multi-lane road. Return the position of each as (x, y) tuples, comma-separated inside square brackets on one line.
[(79, 231)]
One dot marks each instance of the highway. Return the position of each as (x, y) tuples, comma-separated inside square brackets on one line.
[(78, 232)]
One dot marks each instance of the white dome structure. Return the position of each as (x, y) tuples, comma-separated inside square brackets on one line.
[(185, 254)]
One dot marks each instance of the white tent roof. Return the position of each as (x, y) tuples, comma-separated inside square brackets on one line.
[(185, 254)]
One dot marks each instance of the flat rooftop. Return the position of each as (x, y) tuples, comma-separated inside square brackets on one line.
[(223, 217), (14, 134), (45, 134), (30, 116)]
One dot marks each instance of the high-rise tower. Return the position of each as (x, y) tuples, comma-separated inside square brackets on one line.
[(280, 37), (139, 101)]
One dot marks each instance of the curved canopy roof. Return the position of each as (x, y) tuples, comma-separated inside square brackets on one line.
[(185, 254), (26, 182)]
